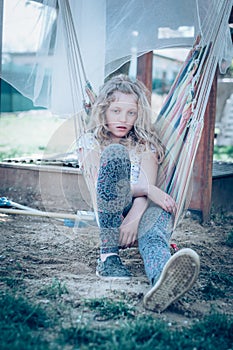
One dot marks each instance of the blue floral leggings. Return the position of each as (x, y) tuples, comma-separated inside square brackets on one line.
[(114, 200)]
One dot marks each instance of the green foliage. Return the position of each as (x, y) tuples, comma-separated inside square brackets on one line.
[(214, 332), (223, 153), (25, 325), (10, 153), (106, 309), (53, 290), (147, 333), (19, 321), (27, 133)]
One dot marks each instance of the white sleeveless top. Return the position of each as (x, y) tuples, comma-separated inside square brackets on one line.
[(89, 142)]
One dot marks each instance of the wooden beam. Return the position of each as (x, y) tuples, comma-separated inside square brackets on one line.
[(202, 172), (144, 69)]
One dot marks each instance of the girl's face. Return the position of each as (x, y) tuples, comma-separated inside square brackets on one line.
[(121, 115)]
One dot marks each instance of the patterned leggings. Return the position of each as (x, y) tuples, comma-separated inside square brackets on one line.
[(114, 200)]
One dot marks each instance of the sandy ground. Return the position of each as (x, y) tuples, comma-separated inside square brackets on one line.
[(40, 249)]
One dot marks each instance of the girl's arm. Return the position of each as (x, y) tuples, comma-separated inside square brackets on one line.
[(142, 191), (148, 175), (146, 185)]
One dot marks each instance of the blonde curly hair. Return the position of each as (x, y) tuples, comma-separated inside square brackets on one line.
[(143, 134)]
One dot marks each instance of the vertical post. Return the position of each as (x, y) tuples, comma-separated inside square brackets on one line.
[(1, 30), (144, 69), (202, 173)]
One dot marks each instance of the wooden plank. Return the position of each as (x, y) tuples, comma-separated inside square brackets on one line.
[(63, 187), (144, 69), (202, 173)]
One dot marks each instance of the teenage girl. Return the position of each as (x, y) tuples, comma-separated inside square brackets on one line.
[(124, 152)]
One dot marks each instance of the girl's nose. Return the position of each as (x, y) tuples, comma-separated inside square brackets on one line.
[(123, 117)]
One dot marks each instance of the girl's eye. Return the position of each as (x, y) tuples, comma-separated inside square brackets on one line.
[(132, 113), (116, 111)]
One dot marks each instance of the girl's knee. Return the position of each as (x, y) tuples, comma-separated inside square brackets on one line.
[(115, 163), (114, 151)]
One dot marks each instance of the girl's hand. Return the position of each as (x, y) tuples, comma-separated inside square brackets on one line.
[(161, 198), (128, 232), (129, 226)]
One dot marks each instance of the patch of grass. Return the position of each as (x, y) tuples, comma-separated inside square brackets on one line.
[(20, 322), (146, 333), (26, 133), (12, 275), (10, 153), (142, 333), (12, 281), (214, 332), (223, 153), (26, 326), (54, 290), (108, 309)]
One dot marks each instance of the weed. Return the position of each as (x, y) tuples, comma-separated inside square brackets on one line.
[(54, 290), (108, 309), (12, 281), (19, 322)]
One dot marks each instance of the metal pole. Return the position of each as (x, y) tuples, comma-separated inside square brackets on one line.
[(1, 27)]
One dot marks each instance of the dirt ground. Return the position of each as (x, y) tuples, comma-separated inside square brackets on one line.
[(41, 249)]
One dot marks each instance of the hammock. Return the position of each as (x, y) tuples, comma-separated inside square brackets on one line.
[(180, 121)]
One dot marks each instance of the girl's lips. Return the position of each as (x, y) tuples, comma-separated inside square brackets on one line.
[(122, 127)]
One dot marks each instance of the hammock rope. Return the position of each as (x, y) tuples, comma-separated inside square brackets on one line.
[(181, 119)]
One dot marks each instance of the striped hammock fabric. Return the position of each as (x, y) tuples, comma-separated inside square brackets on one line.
[(181, 119)]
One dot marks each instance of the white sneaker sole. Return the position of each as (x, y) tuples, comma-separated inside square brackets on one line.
[(113, 278), (178, 276)]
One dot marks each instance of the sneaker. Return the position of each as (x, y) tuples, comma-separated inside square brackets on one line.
[(178, 276), (112, 268)]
